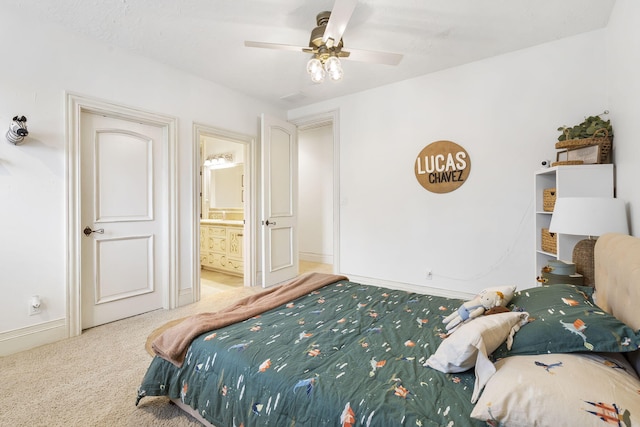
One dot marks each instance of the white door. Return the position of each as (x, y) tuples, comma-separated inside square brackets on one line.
[(122, 217), (279, 201)]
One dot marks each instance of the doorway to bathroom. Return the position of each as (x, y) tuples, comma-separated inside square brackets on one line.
[(319, 201), (224, 205)]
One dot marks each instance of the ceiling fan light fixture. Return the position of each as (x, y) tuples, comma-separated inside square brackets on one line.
[(314, 65), (333, 67), (324, 63), (318, 77), (336, 75), (315, 70), (332, 64)]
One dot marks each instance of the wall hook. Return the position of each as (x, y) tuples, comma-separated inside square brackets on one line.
[(17, 130)]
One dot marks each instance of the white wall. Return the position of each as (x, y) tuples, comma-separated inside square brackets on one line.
[(504, 111), (315, 188), (623, 65), (40, 63)]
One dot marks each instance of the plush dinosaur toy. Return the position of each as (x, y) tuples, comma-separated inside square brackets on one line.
[(473, 308)]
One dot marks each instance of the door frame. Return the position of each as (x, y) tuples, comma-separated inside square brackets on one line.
[(250, 243), (76, 104), (314, 120)]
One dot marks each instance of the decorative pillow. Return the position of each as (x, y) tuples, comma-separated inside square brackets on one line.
[(471, 345), (564, 319), (553, 390)]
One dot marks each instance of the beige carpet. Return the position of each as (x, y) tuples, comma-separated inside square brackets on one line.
[(92, 380)]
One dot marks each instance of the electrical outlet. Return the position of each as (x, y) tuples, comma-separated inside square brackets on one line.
[(429, 274), (35, 305)]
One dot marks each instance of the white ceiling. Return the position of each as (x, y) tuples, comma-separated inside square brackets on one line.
[(206, 37)]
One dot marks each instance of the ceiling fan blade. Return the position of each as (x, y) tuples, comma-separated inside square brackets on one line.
[(373, 57), (276, 46), (340, 15)]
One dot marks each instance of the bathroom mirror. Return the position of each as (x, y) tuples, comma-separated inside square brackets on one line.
[(226, 187), (222, 175)]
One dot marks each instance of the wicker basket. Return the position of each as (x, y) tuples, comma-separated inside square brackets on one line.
[(568, 163), (549, 241), (548, 199), (604, 141)]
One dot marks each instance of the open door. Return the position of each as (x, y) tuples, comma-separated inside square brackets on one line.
[(279, 201), (123, 216)]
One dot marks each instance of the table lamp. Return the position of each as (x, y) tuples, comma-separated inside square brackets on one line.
[(592, 217)]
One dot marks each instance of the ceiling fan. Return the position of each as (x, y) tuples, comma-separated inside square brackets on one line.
[(326, 44)]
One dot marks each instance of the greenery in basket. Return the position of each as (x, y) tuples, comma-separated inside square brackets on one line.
[(592, 127)]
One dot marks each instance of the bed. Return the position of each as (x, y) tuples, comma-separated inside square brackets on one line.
[(323, 350)]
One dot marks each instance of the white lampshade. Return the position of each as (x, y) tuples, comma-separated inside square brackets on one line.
[(589, 216)]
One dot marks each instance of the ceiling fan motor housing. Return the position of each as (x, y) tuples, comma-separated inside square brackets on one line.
[(318, 32), (320, 49), (322, 18)]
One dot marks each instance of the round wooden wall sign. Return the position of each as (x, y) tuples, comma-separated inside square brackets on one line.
[(442, 166)]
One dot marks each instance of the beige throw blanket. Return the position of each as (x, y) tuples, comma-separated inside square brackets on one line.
[(172, 345)]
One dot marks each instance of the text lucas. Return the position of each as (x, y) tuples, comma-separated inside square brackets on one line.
[(443, 168)]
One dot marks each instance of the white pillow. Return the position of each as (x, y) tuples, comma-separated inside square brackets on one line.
[(560, 390), (473, 342)]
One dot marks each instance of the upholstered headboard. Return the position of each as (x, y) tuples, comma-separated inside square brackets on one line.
[(617, 281)]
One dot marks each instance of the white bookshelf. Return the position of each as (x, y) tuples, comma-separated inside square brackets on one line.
[(569, 181)]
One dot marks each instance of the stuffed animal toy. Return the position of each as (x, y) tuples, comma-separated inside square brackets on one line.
[(497, 310), (473, 308)]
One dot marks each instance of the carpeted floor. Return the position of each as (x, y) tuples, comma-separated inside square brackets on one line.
[(92, 379)]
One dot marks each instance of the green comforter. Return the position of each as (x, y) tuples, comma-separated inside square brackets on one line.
[(346, 354)]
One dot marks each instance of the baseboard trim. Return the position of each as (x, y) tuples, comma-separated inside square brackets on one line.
[(408, 287), (33, 336), (185, 297), (313, 257)]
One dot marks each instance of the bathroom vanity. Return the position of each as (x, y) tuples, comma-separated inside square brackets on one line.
[(221, 245), (222, 221)]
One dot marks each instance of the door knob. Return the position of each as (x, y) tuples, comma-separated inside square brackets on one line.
[(87, 231), (270, 223)]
